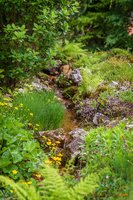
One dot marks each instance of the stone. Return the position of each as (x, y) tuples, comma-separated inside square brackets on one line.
[(77, 142), (100, 118), (38, 85), (76, 133), (113, 84), (65, 70), (53, 135), (21, 90), (75, 76)]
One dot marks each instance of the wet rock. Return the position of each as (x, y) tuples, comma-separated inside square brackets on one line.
[(77, 141), (75, 76), (100, 118)]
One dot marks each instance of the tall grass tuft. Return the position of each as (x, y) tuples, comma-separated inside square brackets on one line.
[(41, 108)]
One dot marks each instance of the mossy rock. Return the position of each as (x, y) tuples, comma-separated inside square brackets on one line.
[(43, 76), (99, 90)]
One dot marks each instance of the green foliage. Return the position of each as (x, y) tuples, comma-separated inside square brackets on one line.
[(109, 153), (30, 33), (115, 64), (90, 82), (103, 24), (72, 52), (126, 96), (19, 150), (40, 108), (52, 187)]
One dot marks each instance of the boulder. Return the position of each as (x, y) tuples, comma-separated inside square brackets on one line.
[(77, 141), (100, 118), (75, 76)]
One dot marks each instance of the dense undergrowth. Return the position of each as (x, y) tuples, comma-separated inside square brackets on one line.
[(92, 36)]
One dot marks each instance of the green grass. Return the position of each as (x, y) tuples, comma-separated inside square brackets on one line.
[(40, 108), (126, 96)]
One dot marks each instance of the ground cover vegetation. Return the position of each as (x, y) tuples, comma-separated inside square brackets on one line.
[(36, 160)]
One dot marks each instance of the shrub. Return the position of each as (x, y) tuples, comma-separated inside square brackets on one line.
[(40, 108), (28, 45)]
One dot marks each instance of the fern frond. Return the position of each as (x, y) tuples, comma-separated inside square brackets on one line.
[(84, 187), (23, 192), (18, 191), (53, 187)]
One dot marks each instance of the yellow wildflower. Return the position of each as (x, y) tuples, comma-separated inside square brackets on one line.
[(31, 114), (53, 148), (11, 191), (57, 142), (38, 175), (56, 158), (2, 104), (37, 125), (14, 171), (36, 129), (48, 162), (49, 143), (60, 155), (29, 182)]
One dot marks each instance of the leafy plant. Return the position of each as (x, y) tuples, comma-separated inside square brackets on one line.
[(52, 187), (40, 108), (73, 53), (20, 153), (101, 24), (29, 45), (109, 153), (90, 82)]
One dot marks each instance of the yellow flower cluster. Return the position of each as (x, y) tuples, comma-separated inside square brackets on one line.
[(14, 171), (27, 182), (51, 144), (55, 159)]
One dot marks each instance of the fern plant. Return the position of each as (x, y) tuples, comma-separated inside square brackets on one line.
[(52, 187)]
